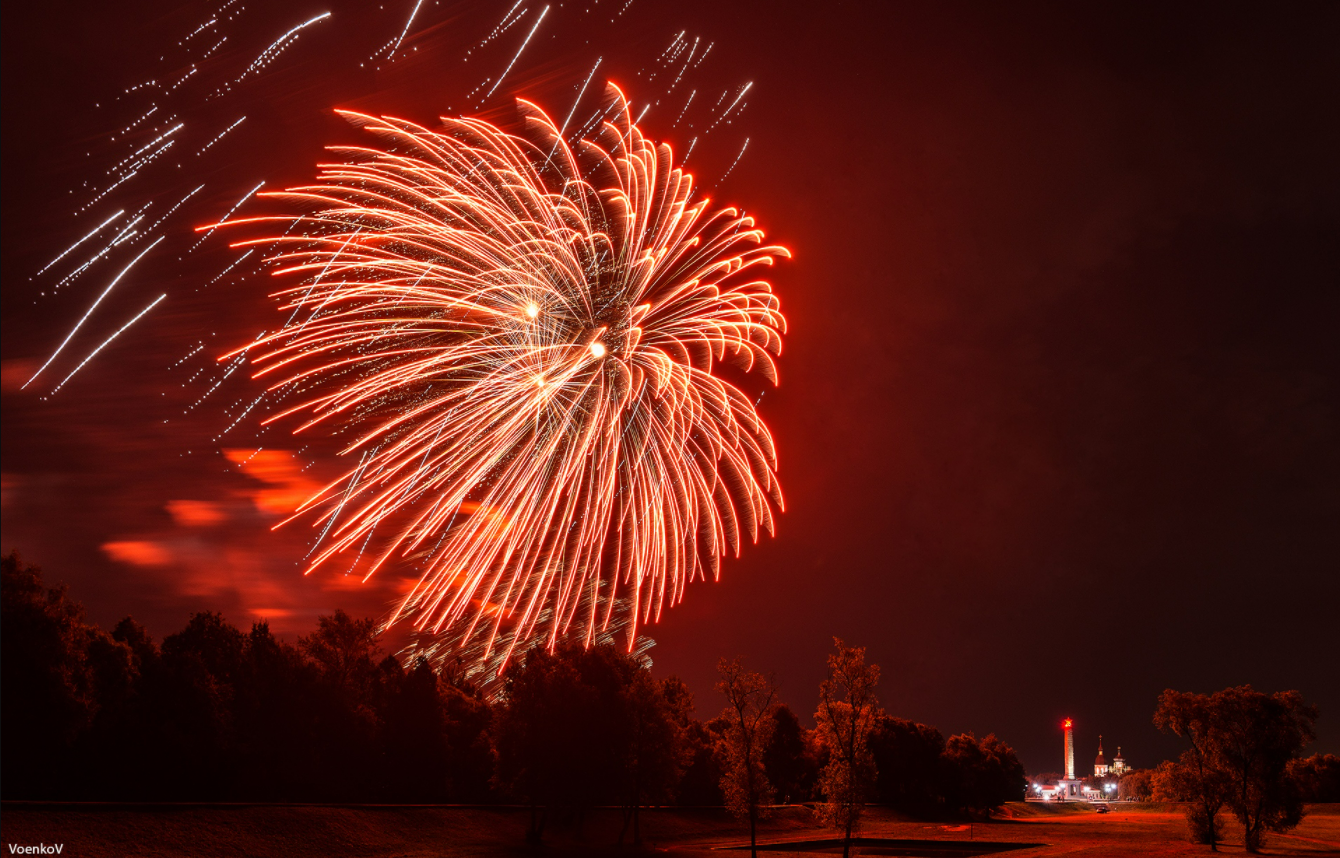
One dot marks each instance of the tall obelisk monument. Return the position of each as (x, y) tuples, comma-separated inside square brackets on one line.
[(1069, 750)]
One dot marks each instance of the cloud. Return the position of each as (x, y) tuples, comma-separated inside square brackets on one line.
[(218, 554), (287, 486), (14, 374), (138, 552), (192, 513)]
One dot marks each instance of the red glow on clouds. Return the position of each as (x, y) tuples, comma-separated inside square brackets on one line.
[(138, 552), (191, 513), (286, 486), (15, 373)]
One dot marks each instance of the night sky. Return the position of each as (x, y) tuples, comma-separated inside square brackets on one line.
[(1058, 420)]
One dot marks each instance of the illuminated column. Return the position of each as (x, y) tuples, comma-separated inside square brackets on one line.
[(1069, 750)]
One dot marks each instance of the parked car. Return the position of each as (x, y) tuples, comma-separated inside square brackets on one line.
[(1102, 808)]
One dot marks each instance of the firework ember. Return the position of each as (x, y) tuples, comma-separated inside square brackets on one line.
[(519, 338)]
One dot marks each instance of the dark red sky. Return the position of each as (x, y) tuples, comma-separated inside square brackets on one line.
[(1058, 421)]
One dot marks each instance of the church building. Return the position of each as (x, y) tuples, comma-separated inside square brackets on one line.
[(1102, 767)]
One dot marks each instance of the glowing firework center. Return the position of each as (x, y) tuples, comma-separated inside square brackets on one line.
[(518, 337)]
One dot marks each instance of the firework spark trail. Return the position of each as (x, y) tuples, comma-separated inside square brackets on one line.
[(520, 50), (181, 80), (335, 514), (731, 168), (522, 352), (136, 122), (107, 342), (502, 26), (235, 207), (408, 24), (156, 224), (732, 107), (209, 53), (99, 228), (683, 69), (128, 176), (243, 416), (81, 322), (126, 233), (276, 48), (198, 30), (211, 143), (685, 110), (236, 262), (200, 347), (227, 373), (146, 147), (563, 129)]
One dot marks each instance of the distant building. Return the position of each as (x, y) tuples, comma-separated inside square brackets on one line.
[(1119, 766), (1070, 786)]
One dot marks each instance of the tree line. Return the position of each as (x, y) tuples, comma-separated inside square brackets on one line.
[(213, 712)]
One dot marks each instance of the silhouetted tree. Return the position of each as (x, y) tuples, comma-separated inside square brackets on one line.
[(1317, 777), (276, 716), (48, 697), (656, 754), (346, 653), (748, 723), (346, 650), (193, 698), (981, 774), (556, 736), (469, 744), (848, 711), (789, 758), (415, 737), (700, 783), (1242, 742), (110, 748), (125, 748), (907, 760)]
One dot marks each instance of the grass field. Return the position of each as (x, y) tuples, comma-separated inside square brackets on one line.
[(1028, 830)]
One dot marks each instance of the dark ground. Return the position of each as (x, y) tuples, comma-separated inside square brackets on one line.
[(420, 831)]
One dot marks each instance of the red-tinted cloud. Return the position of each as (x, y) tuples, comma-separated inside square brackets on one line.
[(138, 552), (14, 374), (192, 513), (286, 485)]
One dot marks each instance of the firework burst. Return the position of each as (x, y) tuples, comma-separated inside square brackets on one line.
[(518, 337)]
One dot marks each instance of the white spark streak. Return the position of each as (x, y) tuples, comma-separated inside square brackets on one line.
[(403, 32), (108, 341), (99, 228), (81, 322), (518, 53)]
